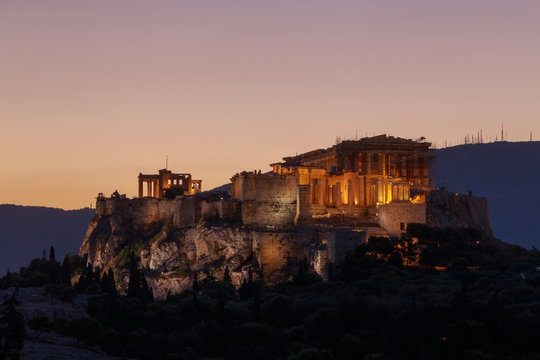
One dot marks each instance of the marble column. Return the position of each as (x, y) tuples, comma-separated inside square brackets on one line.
[(380, 164)]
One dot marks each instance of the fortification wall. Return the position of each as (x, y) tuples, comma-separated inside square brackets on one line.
[(266, 200), (340, 243), (263, 187), (281, 253), (223, 209), (446, 209), (142, 213), (303, 205), (273, 215), (395, 216)]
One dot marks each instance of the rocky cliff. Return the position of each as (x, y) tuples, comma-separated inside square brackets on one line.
[(173, 248), (170, 254)]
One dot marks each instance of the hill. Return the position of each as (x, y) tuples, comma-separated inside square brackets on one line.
[(507, 174), (26, 230)]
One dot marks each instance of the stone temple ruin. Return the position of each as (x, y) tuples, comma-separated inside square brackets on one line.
[(375, 184), (377, 180), (314, 207), (165, 179)]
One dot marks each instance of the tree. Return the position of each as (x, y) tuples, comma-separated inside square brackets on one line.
[(66, 270), (227, 277), (145, 293), (40, 323), (324, 327), (87, 278), (134, 284), (330, 271), (12, 330), (108, 283), (409, 249), (395, 260), (52, 256), (173, 192), (137, 285), (5, 282)]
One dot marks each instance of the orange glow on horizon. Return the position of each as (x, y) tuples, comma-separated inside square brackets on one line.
[(92, 93)]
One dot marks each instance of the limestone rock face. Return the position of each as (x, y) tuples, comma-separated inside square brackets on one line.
[(170, 256), (445, 209), (173, 248)]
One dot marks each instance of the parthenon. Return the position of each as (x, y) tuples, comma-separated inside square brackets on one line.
[(156, 184), (363, 173), (380, 179)]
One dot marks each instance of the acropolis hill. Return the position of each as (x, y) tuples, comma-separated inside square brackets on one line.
[(314, 207)]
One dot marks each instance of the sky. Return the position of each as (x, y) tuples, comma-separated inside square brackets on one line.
[(94, 92)]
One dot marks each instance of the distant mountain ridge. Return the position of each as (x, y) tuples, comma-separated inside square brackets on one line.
[(26, 230), (507, 174)]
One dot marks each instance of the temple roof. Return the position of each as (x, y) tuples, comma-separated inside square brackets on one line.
[(376, 142)]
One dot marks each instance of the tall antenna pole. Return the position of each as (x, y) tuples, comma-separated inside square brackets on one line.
[(502, 132), (166, 162)]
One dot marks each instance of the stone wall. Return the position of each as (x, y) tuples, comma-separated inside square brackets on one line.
[(446, 209), (303, 205), (268, 215), (395, 216), (147, 211), (263, 187), (266, 200), (340, 243), (223, 209)]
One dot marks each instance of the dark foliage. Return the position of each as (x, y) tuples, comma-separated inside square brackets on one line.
[(173, 191), (484, 306), (12, 330), (42, 272), (52, 255), (137, 286)]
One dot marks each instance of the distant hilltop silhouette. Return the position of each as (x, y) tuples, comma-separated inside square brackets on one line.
[(26, 230), (506, 173)]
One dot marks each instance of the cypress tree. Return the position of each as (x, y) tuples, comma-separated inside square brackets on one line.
[(299, 278), (52, 256), (13, 323), (7, 280), (243, 290), (66, 270), (89, 274), (86, 279), (108, 283), (134, 284), (330, 272), (146, 295), (195, 287), (227, 277)]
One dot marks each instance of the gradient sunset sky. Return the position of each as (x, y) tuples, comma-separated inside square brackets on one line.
[(94, 92)]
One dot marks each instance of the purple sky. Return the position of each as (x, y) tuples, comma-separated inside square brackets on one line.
[(93, 92)]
